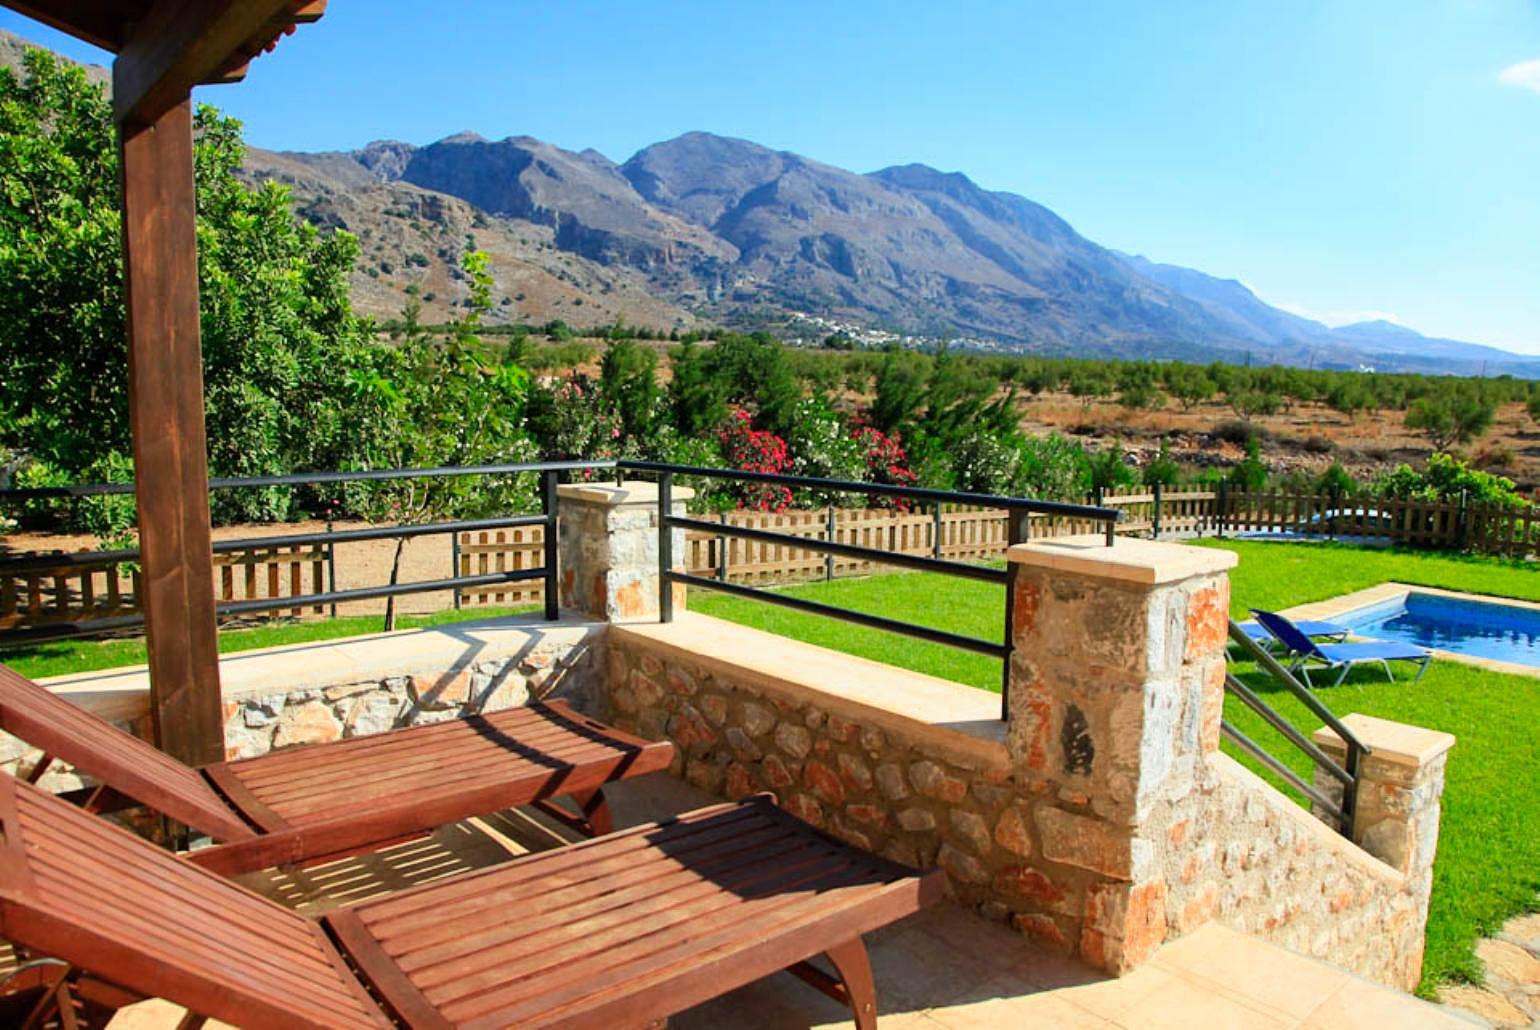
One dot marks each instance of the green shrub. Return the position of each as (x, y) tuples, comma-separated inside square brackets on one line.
[(1250, 474), (1163, 469)]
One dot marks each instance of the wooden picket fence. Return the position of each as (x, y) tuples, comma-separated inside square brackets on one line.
[(477, 554), (71, 592), (971, 534), (1443, 525)]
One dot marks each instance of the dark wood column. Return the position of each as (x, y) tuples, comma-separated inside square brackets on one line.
[(165, 371)]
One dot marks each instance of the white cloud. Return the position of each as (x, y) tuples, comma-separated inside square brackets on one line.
[(1525, 75)]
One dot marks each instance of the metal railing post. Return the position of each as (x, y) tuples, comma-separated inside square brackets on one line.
[(331, 567), (935, 530), (1155, 514), (723, 543), (1220, 503), (1016, 531), (828, 535), (1349, 804), (665, 547), (549, 480), (454, 564)]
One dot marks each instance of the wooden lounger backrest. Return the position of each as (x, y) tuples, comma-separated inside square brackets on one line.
[(75, 887), (110, 756)]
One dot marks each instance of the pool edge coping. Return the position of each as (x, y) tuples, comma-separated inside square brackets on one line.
[(1336, 607)]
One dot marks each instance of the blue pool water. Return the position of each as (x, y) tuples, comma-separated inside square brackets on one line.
[(1483, 629)]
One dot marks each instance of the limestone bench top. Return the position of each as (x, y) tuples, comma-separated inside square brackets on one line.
[(122, 694), (959, 718)]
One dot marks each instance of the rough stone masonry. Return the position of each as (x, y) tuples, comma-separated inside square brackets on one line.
[(1110, 823)]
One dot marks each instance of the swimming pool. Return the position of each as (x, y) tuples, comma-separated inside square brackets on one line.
[(1481, 629)]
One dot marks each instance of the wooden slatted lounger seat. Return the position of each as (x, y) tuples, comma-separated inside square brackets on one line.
[(620, 930), (329, 800)]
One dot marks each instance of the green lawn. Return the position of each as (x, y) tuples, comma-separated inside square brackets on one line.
[(67, 656), (1488, 865)]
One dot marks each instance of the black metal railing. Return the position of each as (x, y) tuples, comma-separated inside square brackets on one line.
[(1345, 773), (1019, 511), (550, 473)]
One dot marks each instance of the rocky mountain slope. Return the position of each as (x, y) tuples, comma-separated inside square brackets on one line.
[(732, 232), (708, 229)]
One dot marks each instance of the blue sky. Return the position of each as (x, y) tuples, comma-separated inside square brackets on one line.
[(1348, 159)]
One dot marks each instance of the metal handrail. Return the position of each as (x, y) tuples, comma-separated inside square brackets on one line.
[(897, 558), (45, 493), (1031, 505), (547, 571), (1264, 658), (1019, 511), (1345, 773)]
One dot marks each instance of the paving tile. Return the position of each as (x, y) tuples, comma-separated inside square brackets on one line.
[(779, 1002), (1042, 1009), (1184, 1004), (1483, 1004), (1361, 1005), (1250, 971), (1523, 931), (1112, 999)]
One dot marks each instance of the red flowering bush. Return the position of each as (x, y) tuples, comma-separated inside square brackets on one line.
[(755, 450), (886, 462)]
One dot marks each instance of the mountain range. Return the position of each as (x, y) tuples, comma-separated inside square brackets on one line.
[(724, 231), (710, 230)]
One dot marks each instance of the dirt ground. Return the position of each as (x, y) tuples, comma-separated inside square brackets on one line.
[(1308, 438)]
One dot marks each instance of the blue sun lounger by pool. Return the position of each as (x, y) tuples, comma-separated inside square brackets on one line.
[(1303, 650), (1334, 632)]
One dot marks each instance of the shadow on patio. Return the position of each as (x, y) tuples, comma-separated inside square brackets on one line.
[(942, 968)]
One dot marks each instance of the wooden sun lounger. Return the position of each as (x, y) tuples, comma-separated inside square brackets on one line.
[(329, 800), (617, 931)]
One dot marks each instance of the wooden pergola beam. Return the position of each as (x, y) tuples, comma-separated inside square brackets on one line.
[(165, 48), (165, 404), (184, 43), (102, 23)]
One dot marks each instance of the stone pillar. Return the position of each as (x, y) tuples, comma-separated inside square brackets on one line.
[(1116, 692), (609, 549), (1400, 787)]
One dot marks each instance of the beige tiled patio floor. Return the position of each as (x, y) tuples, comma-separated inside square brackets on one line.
[(944, 968)]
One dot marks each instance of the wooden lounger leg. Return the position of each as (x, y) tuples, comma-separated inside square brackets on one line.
[(594, 818), (854, 986), (596, 809)]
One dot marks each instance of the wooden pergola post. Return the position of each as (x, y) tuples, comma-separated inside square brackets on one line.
[(165, 399), (164, 48)]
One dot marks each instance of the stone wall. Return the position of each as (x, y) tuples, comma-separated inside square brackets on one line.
[(255, 725), (1265, 866), (913, 796), (318, 692), (1103, 819), (609, 548)]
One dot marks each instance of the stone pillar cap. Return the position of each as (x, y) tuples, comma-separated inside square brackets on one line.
[(634, 492), (1132, 560), (1396, 742)]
